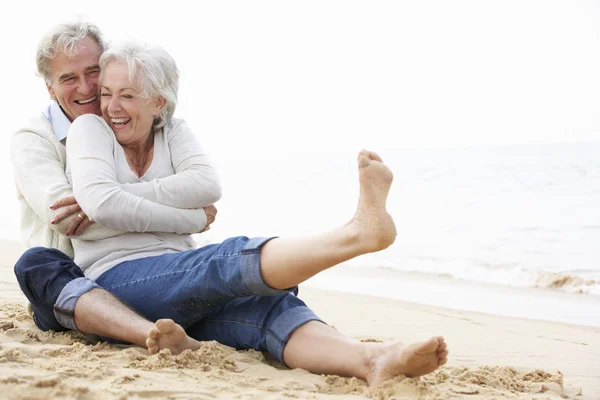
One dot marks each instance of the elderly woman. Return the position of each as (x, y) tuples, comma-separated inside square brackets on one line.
[(242, 292)]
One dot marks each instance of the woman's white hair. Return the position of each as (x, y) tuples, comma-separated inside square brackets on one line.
[(154, 67), (64, 38)]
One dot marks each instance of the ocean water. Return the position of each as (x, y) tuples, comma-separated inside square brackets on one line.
[(521, 215), (518, 215)]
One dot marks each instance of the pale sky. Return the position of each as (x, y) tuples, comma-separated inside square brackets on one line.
[(263, 78)]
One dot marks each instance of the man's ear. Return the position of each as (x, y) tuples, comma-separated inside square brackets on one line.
[(51, 90)]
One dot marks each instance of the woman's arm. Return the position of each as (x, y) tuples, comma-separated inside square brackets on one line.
[(91, 159), (195, 183)]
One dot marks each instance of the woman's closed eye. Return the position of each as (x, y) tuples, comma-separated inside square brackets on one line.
[(125, 96)]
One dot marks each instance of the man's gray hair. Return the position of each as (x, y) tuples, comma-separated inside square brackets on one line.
[(154, 67), (64, 38)]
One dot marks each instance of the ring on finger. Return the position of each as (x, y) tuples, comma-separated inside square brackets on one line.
[(81, 216)]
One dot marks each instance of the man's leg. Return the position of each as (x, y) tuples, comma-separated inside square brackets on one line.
[(102, 314), (283, 326), (286, 262), (62, 298), (42, 274)]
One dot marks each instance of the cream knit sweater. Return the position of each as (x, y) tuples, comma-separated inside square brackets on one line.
[(39, 162)]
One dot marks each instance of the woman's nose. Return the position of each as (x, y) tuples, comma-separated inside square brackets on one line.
[(114, 105)]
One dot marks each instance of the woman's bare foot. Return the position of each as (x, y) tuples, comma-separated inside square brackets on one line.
[(168, 335), (390, 360), (375, 225)]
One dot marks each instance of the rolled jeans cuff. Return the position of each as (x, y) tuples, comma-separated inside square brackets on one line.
[(282, 328), (64, 309), (250, 269)]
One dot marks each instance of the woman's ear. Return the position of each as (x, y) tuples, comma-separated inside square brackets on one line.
[(160, 104)]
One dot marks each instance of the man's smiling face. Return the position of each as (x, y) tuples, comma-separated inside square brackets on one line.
[(74, 80)]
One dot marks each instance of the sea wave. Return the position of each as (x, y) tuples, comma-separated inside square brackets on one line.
[(567, 283), (582, 282)]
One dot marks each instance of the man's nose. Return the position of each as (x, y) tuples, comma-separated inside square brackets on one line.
[(88, 86)]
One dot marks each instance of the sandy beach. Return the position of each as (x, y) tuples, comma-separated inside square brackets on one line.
[(491, 357)]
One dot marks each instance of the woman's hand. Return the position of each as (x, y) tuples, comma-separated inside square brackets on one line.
[(79, 221), (211, 214)]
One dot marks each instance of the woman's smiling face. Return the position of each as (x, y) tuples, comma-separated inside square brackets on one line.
[(125, 107)]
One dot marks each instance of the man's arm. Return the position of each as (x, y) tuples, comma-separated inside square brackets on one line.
[(90, 155), (40, 175), (195, 183)]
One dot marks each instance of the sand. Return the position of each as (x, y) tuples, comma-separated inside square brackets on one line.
[(491, 357)]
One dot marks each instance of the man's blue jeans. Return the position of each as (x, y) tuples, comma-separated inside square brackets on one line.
[(43, 274), (215, 292)]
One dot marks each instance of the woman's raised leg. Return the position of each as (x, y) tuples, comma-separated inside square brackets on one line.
[(286, 262)]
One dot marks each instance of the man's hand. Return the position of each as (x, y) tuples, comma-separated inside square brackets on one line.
[(79, 221), (211, 214)]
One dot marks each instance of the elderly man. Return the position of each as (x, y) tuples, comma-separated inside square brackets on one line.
[(60, 296)]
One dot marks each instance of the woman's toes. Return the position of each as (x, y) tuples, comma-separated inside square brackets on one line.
[(374, 156)]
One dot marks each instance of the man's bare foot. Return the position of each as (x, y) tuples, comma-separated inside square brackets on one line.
[(168, 335), (375, 225), (391, 360)]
